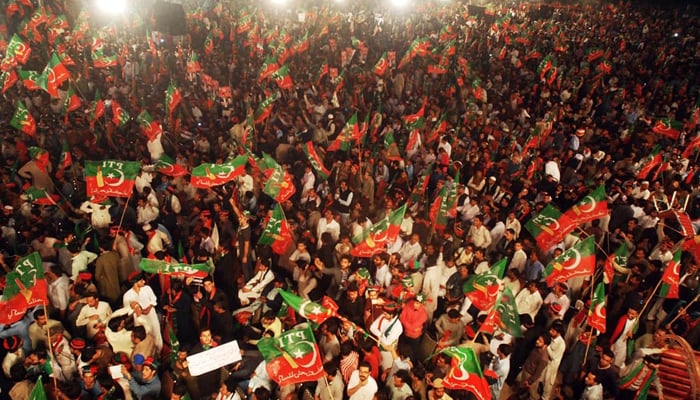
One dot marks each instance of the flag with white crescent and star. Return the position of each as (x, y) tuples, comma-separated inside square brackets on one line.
[(205, 176), (111, 177), (305, 308), (589, 208), (549, 227), (465, 373), (293, 357), (277, 233), (25, 288), (578, 260), (671, 277), (596, 315), (376, 239)]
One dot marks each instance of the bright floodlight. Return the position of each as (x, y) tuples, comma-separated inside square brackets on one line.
[(279, 2), (112, 6), (400, 3)]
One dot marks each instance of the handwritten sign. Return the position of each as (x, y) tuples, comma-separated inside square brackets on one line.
[(216, 357)]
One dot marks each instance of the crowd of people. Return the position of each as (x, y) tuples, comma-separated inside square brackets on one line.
[(511, 107)]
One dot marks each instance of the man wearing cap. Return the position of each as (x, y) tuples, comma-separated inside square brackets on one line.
[(94, 314), (438, 391), (145, 382), (15, 355), (63, 362), (141, 299), (387, 328)]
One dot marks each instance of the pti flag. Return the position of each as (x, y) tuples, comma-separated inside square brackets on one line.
[(23, 120), (307, 308), (277, 234), (177, 269), (504, 316), (316, 161), (465, 373), (549, 227), (590, 208), (207, 175), (167, 166), (596, 315), (375, 239), (618, 258), (25, 288), (111, 177), (482, 290), (278, 182), (671, 277), (293, 357), (579, 260)]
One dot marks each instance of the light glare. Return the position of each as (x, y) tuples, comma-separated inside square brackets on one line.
[(112, 6), (400, 3)]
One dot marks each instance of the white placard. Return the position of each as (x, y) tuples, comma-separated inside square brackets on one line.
[(116, 371), (216, 357)]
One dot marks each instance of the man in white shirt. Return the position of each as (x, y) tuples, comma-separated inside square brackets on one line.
[(387, 328), (558, 295), (94, 314), (529, 300), (254, 287), (383, 274), (361, 386), (141, 299), (411, 250), (519, 258), (327, 224), (478, 234)]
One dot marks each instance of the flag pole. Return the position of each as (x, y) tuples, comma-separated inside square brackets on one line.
[(684, 309), (646, 302), (590, 335), (48, 337), (328, 386), (126, 205)]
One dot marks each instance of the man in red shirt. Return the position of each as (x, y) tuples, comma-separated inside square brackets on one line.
[(413, 318)]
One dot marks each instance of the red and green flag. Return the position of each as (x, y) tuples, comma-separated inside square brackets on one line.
[(591, 207), (268, 68), (17, 52), (375, 239), (66, 157), (293, 357), (465, 373), (549, 227), (22, 120), (594, 54), (419, 47), (668, 127), (30, 79), (193, 65), (25, 288), (53, 76), (670, 280), (205, 176), (149, 127), (653, 162), (282, 78), (97, 109), (578, 260), (316, 161), (201, 270), (41, 197), (111, 177), (167, 166), (173, 97), (414, 143), (390, 146), (308, 309), (119, 116), (278, 182), (343, 141), (381, 66), (322, 71), (7, 80), (439, 209), (504, 316), (72, 101), (277, 233), (101, 60), (619, 258), (596, 314), (265, 108), (209, 44), (418, 191), (417, 120), (482, 290)]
